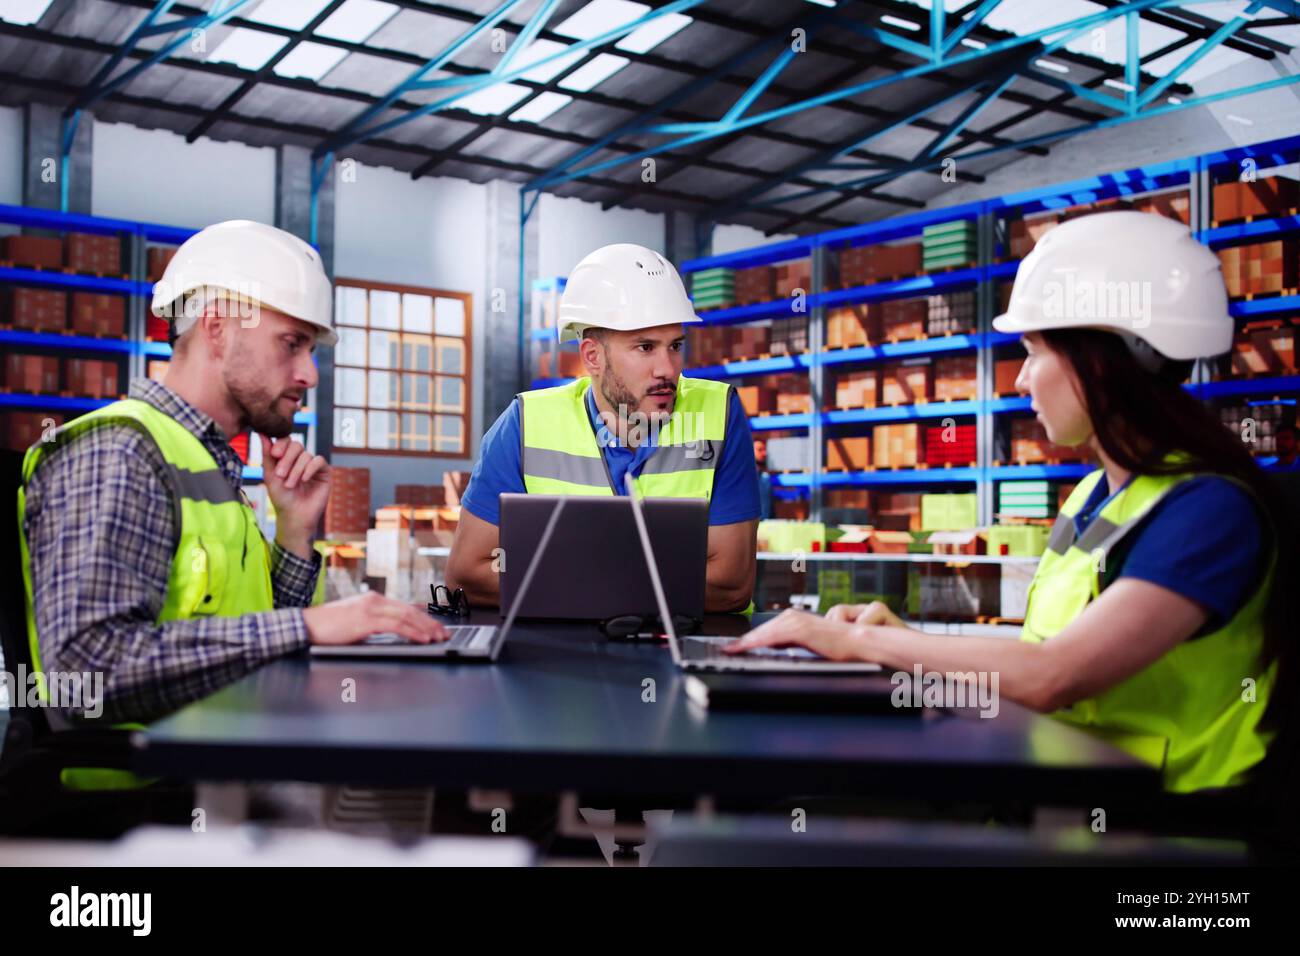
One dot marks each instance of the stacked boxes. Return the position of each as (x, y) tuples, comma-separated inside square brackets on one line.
[(420, 496), (99, 314), (33, 374), (950, 445), (790, 336), (757, 399), (157, 258), (1173, 205), (713, 288), (904, 319), (848, 454), (856, 389), (19, 430), (1018, 540), (847, 498), (862, 265), (37, 310), (954, 377), (1005, 373), (1265, 348), (896, 510), (93, 378), (948, 512), (851, 325), (156, 369), (789, 454), (348, 508), (750, 341), (35, 252), (951, 314), (791, 277), (1029, 443), (1023, 234), (896, 446), (1261, 267), (1027, 499), (1257, 425), (95, 254), (155, 329), (1268, 196), (792, 396), (908, 383), (948, 244), (754, 285)]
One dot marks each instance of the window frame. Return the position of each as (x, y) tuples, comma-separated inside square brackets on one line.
[(465, 376)]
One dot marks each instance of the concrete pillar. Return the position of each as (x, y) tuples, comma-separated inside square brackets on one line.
[(293, 172), (42, 155), (506, 368)]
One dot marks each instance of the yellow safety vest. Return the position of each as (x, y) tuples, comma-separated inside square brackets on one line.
[(222, 564), (1187, 713), (561, 455)]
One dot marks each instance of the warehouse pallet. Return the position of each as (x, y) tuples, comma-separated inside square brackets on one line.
[(61, 270), (1243, 220), (1254, 296)]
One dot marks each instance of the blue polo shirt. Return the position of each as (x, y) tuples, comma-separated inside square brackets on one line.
[(1203, 540), (500, 468)]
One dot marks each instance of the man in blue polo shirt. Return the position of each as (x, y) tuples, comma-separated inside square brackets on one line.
[(626, 306)]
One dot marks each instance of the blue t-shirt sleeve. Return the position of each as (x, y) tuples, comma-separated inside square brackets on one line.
[(1215, 561), (498, 468), (735, 483)]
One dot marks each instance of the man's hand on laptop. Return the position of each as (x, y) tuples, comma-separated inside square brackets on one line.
[(833, 640), (360, 616)]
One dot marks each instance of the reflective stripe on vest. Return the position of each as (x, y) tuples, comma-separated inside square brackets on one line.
[(1185, 712), (560, 454), (221, 567)]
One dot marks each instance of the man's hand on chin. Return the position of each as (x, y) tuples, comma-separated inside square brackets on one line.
[(298, 484)]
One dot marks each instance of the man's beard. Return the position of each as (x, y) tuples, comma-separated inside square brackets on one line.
[(257, 407), (615, 391)]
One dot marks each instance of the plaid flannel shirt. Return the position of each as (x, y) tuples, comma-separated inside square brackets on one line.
[(102, 534)]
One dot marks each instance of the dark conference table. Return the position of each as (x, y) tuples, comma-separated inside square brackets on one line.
[(563, 709)]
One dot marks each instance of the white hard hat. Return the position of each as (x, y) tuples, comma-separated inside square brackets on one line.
[(253, 261), (1139, 274), (622, 287)]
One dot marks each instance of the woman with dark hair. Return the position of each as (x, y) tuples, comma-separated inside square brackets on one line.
[(1162, 614)]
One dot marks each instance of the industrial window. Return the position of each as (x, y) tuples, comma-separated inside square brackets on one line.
[(401, 369)]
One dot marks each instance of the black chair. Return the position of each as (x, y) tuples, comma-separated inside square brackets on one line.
[(33, 801)]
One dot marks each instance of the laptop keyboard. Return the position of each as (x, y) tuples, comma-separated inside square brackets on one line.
[(463, 637), (710, 649)]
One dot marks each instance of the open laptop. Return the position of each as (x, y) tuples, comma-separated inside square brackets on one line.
[(468, 642), (704, 652), (598, 543)]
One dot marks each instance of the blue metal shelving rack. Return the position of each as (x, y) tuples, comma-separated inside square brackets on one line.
[(1192, 173), (135, 348)]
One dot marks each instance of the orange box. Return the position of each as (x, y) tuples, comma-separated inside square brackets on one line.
[(906, 384), (849, 454), (33, 251), (954, 378), (1005, 373), (856, 389), (895, 446), (757, 399)]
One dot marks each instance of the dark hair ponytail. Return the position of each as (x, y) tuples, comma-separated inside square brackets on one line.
[(1139, 418)]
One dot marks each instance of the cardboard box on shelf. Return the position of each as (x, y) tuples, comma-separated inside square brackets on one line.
[(904, 319), (967, 541), (908, 383), (1264, 351), (570, 364), (848, 454), (948, 512), (420, 496), (33, 252), (757, 399), (1172, 205), (857, 389), (851, 325), (895, 446), (754, 285), (952, 313), (1029, 443), (792, 277), (883, 541), (1005, 373), (955, 377), (792, 453), (795, 509), (98, 314), (33, 374), (157, 258), (37, 310), (93, 378), (91, 253), (156, 369), (20, 429), (950, 445), (1266, 196)]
